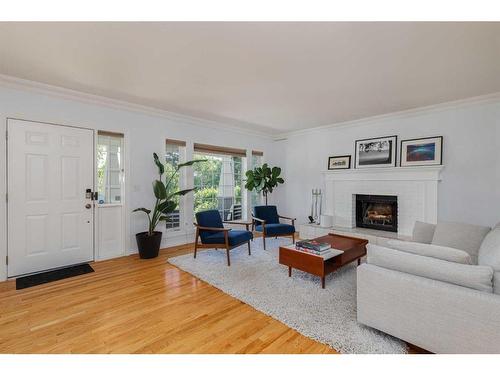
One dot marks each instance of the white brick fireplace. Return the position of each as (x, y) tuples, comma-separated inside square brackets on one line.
[(415, 187)]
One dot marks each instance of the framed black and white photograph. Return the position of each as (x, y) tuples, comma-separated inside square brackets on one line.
[(421, 152), (376, 152), (339, 162)]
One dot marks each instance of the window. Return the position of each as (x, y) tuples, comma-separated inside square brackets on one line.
[(109, 167), (255, 196), (174, 154), (219, 181)]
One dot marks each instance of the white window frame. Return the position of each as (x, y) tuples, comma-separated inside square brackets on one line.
[(244, 163), (253, 165), (182, 185), (121, 177)]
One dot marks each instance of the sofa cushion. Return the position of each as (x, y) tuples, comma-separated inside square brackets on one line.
[(276, 229), (423, 232), (439, 252), (469, 276), (235, 237), (489, 252), (461, 236), (496, 282)]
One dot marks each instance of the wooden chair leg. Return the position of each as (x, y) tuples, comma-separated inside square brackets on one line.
[(195, 248), (228, 260), (293, 237), (249, 252), (264, 241)]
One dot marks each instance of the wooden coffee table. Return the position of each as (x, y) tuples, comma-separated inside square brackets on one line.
[(354, 249)]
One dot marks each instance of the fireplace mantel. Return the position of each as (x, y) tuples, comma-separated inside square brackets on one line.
[(388, 174), (415, 187)]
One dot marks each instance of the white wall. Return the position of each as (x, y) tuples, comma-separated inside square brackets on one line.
[(145, 134), (469, 191), (497, 185), (470, 187)]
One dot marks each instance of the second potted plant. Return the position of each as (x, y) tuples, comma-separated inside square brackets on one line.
[(263, 179)]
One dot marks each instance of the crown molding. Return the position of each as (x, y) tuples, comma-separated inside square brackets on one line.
[(482, 99), (104, 101)]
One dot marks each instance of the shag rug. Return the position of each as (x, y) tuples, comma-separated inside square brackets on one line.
[(326, 315)]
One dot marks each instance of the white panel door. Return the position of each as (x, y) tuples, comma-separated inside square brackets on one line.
[(50, 219)]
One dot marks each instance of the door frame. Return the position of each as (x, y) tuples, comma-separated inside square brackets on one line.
[(94, 132)]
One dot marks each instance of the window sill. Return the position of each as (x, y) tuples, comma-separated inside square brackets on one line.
[(175, 233)]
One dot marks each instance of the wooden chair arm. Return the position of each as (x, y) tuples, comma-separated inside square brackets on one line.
[(238, 222), (245, 223), (288, 218), (257, 219), (212, 229)]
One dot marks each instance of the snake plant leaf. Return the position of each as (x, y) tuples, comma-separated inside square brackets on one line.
[(180, 192), (189, 163), (142, 209), (159, 164), (159, 189), (167, 207)]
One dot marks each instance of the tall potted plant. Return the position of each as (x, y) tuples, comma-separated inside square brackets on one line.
[(263, 179), (149, 242)]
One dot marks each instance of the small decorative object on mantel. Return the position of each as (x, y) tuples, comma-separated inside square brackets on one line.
[(326, 221), (316, 206), (375, 152), (339, 162), (421, 152)]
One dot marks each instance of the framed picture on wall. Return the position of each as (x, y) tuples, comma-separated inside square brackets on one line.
[(375, 152), (339, 162), (421, 151)]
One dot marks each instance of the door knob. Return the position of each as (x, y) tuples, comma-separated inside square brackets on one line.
[(88, 206)]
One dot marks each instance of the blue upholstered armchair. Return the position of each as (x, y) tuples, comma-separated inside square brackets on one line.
[(267, 221), (210, 230)]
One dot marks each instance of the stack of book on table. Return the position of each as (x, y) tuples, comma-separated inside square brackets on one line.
[(322, 249)]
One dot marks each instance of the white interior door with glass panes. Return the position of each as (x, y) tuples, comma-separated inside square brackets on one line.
[(50, 215), (110, 188)]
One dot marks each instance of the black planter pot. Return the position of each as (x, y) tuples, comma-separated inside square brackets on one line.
[(148, 246)]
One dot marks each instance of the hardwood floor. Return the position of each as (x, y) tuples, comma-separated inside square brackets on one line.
[(131, 305)]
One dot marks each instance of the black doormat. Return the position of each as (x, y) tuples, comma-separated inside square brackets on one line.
[(47, 277)]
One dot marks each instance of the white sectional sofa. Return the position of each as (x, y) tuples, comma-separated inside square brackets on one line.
[(440, 292)]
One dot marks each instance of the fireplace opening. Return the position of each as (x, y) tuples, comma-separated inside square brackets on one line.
[(377, 212)]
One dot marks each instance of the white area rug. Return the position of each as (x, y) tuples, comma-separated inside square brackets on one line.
[(326, 315)]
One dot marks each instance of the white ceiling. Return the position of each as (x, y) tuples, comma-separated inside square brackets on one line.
[(275, 77)]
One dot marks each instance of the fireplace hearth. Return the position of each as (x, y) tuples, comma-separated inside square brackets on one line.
[(377, 212)]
